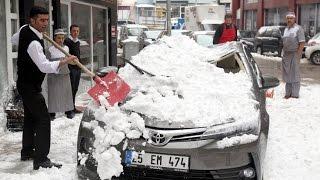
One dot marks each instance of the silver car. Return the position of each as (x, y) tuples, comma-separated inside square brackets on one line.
[(185, 151)]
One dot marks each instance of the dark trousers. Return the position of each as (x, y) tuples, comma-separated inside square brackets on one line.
[(36, 129), (75, 73)]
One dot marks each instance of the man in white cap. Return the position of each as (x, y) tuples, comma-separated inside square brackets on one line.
[(293, 43)]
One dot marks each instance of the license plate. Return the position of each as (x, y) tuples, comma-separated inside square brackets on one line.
[(157, 161)]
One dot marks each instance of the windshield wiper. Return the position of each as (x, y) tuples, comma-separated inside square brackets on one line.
[(140, 70)]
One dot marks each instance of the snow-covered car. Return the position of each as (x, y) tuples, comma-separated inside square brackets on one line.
[(152, 36), (133, 31), (192, 113), (203, 38), (312, 50)]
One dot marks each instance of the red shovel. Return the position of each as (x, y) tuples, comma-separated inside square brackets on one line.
[(111, 85)]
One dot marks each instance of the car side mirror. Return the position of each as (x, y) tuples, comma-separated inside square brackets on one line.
[(269, 82)]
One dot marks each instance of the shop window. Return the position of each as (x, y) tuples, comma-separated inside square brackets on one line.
[(80, 15), (99, 38), (13, 6), (307, 19)]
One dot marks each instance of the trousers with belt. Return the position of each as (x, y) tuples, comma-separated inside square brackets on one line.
[(37, 127)]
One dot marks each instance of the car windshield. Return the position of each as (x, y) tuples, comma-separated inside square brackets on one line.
[(135, 31), (205, 40), (317, 36)]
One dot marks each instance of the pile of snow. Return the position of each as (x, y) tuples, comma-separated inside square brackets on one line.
[(203, 93), (185, 88)]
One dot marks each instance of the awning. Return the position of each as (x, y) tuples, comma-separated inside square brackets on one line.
[(145, 6)]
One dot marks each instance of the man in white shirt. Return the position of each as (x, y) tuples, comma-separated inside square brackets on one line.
[(32, 66), (293, 43)]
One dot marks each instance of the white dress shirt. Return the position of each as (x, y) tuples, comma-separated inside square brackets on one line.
[(74, 40), (35, 51)]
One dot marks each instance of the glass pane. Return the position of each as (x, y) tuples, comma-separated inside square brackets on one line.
[(99, 38), (308, 19), (80, 15), (282, 16), (15, 68), (13, 6), (14, 29), (64, 17)]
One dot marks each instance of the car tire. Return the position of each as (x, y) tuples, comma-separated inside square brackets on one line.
[(259, 50), (315, 58)]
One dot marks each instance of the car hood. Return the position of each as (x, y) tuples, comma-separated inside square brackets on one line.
[(186, 90)]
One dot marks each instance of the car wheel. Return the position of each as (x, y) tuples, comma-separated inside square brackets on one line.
[(315, 58), (259, 50)]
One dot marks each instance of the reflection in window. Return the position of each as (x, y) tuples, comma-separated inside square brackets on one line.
[(14, 29), (80, 15), (13, 6), (64, 17), (99, 38), (307, 19), (15, 68)]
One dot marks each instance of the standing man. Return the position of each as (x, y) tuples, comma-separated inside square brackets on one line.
[(75, 72), (32, 66), (293, 43), (226, 31)]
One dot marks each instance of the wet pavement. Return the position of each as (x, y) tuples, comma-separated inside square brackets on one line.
[(310, 73)]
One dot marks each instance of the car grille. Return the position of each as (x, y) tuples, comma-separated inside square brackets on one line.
[(133, 173)]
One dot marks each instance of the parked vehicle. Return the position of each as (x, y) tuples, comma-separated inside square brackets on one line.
[(203, 38), (312, 50), (152, 36), (133, 31), (191, 150), (269, 39), (204, 17)]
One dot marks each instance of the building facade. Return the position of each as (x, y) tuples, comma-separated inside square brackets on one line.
[(97, 20), (252, 14)]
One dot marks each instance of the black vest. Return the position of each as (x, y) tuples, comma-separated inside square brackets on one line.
[(28, 72), (74, 49)]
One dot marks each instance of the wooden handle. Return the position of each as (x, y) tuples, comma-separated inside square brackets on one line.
[(86, 70)]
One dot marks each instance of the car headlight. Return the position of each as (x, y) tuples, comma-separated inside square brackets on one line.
[(221, 132)]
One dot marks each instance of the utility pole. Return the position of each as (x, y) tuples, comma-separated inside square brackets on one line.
[(169, 17)]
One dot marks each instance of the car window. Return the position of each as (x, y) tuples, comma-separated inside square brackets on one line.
[(276, 33), (134, 31), (261, 32), (317, 36), (204, 39)]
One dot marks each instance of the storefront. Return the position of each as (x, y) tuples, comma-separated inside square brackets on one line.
[(97, 20)]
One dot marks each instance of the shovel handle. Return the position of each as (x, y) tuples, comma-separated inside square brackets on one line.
[(86, 70)]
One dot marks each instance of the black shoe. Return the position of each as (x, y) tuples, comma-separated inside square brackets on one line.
[(70, 114), (46, 164), (27, 156), (52, 116)]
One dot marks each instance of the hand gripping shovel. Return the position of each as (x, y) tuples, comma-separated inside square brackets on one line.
[(111, 85)]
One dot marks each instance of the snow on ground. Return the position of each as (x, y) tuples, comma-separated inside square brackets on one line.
[(293, 151), (63, 150)]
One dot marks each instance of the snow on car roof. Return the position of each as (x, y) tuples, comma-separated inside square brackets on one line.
[(186, 87)]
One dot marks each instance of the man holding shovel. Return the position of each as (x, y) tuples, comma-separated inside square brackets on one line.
[(32, 66)]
